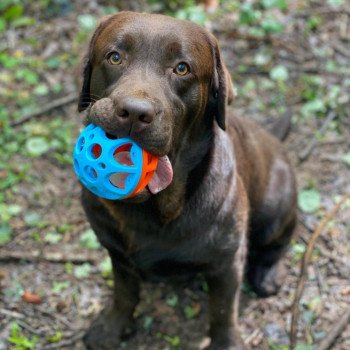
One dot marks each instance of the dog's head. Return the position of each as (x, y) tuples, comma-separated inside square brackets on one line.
[(154, 78)]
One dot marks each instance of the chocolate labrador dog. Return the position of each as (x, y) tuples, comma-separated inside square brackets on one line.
[(223, 193)]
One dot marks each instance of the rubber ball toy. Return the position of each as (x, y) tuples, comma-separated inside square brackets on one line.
[(112, 168)]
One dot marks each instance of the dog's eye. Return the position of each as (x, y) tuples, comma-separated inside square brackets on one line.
[(182, 68), (115, 58)]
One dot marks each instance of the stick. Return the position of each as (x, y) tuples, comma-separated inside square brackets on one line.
[(304, 265), (306, 152), (46, 108), (54, 257), (12, 314), (338, 328)]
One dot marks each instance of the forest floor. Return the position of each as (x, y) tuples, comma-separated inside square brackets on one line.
[(55, 278)]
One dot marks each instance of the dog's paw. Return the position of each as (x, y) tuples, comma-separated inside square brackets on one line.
[(106, 331), (267, 280), (227, 347), (232, 343)]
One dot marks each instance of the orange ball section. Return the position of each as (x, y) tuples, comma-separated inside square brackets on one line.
[(150, 163)]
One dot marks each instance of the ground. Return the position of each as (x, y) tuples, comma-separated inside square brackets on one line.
[(55, 278)]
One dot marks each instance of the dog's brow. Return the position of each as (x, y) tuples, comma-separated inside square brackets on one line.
[(125, 41)]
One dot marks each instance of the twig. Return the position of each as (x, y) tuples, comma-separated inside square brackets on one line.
[(324, 10), (54, 257), (12, 314), (56, 316), (338, 328), (305, 262), (306, 152), (46, 108), (29, 328), (337, 140), (65, 342)]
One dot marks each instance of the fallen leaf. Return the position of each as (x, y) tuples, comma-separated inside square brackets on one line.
[(32, 298), (345, 291)]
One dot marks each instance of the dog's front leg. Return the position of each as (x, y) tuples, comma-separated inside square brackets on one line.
[(115, 321), (224, 289)]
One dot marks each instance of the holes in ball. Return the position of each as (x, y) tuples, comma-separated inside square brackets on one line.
[(122, 155), (80, 144), (91, 136), (96, 151), (101, 165), (118, 179), (110, 136), (90, 173)]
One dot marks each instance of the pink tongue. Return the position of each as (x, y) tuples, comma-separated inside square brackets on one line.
[(163, 176)]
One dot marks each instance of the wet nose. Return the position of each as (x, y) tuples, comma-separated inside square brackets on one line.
[(137, 112)]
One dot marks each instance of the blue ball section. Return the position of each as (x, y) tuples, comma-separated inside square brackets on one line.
[(95, 170)]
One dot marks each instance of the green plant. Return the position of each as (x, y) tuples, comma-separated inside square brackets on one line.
[(20, 341)]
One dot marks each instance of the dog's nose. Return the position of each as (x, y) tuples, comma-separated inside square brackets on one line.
[(137, 112)]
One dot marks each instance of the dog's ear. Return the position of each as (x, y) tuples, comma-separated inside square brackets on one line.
[(84, 97), (222, 87)]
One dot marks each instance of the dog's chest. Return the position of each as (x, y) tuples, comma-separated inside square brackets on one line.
[(180, 248)]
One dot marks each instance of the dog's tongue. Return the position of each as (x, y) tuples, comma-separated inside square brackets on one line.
[(162, 177)]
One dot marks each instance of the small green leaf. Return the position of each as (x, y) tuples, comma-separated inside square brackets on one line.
[(147, 322), (335, 3), (261, 59), (174, 341), (279, 73), (58, 287), (53, 62), (64, 228), (346, 158), (68, 267), (41, 90), (87, 22), (248, 15), (299, 248), (37, 146), (105, 267), (88, 240), (55, 338), (313, 22), (271, 26), (303, 347), (26, 74), (14, 209), (5, 233), (24, 21), (172, 300), (20, 340), (82, 271), (191, 311), (13, 12), (52, 237), (315, 106), (2, 25), (32, 219), (281, 4), (309, 201)]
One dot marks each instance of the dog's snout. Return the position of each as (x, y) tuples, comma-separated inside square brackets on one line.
[(138, 112)]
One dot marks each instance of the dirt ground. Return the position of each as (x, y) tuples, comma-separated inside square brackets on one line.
[(67, 275)]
